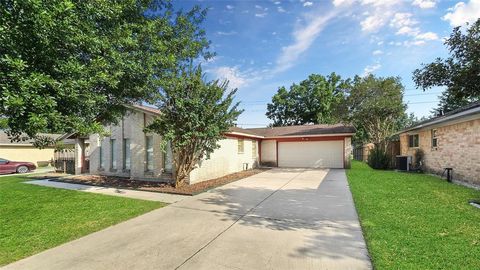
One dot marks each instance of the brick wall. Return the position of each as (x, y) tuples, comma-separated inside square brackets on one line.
[(458, 148)]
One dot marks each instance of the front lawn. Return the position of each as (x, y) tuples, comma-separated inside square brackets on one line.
[(34, 218), (416, 221)]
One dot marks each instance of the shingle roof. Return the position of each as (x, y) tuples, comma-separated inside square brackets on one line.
[(455, 114), (4, 139), (303, 130), (147, 108)]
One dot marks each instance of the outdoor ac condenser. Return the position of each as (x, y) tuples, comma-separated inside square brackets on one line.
[(403, 163)]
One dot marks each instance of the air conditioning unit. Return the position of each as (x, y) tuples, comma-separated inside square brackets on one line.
[(403, 163)]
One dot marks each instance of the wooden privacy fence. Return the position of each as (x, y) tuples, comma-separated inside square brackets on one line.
[(64, 161), (361, 152)]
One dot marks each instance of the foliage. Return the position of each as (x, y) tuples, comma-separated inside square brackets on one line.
[(378, 159), (459, 73), (419, 158), (415, 221), (315, 100), (34, 218), (195, 115), (72, 66), (376, 108)]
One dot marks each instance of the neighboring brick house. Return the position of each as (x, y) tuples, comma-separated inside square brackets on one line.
[(129, 152), (451, 140)]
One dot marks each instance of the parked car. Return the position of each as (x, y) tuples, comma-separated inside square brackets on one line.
[(8, 166)]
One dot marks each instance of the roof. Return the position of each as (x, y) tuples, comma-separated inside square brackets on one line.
[(147, 109), (5, 139), (463, 112), (301, 130)]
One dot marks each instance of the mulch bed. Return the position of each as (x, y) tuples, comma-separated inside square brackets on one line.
[(120, 182)]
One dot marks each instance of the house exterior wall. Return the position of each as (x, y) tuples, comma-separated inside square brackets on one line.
[(348, 151), (226, 160), (458, 148), (130, 127), (269, 152), (27, 153)]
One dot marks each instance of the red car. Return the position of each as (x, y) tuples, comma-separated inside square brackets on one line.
[(7, 166)]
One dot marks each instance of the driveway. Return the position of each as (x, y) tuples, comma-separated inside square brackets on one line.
[(279, 219)]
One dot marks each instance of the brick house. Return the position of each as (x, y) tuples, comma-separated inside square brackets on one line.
[(129, 152), (451, 140)]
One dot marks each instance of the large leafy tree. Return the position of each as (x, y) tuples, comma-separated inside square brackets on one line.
[(194, 116), (376, 108), (459, 73), (318, 99), (71, 66)]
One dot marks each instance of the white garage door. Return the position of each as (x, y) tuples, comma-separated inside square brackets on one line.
[(322, 154)]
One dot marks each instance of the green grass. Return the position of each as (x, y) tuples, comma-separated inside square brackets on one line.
[(416, 221), (34, 218)]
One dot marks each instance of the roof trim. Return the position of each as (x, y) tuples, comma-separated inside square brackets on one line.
[(310, 136), (448, 118), (244, 134)]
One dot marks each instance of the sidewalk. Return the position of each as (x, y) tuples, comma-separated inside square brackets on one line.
[(135, 194)]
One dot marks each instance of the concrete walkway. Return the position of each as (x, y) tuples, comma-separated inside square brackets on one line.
[(279, 219), (135, 194)]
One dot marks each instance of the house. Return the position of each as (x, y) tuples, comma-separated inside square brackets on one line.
[(25, 150), (451, 140), (129, 152)]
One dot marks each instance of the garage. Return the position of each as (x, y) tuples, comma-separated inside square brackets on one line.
[(311, 154)]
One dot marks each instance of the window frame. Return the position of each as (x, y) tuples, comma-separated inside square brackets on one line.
[(254, 149), (411, 140), (240, 146), (113, 157), (149, 154), (434, 141), (126, 149), (102, 153)]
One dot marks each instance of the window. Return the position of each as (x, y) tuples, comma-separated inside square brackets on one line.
[(434, 138), (240, 146), (113, 154), (413, 140), (3, 161), (149, 153), (102, 155), (126, 154), (254, 149)]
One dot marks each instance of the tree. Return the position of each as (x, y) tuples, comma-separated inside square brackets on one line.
[(194, 116), (376, 108), (315, 100), (459, 73), (71, 66)]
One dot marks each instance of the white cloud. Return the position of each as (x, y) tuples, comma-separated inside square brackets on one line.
[(371, 68), (229, 7), (373, 23), (258, 6), (261, 15), (384, 3), (236, 78), (343, 2), (463, 12), (307, 4), (424, 4), (281, 10), (304, 37), (274, 33), (407, 30), (427, 36), (221, 33), (377, 52), (277, 3)]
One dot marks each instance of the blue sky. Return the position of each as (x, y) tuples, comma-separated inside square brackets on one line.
[(262, 45)]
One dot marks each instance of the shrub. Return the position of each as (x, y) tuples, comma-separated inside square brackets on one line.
[(378, 159)]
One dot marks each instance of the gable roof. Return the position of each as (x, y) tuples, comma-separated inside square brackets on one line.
[(147, 109), (5, 139), (469, 110), (293, 131)]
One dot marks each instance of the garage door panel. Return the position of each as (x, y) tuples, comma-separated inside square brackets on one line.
[(319, 154)]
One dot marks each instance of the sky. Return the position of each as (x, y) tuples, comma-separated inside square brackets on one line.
[(262, 45)]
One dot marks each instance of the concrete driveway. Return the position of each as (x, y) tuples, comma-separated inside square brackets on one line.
[(279, 219)]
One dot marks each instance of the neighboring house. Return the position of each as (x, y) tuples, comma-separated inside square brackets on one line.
[(129, 152), (451, 140), (25, 151)]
